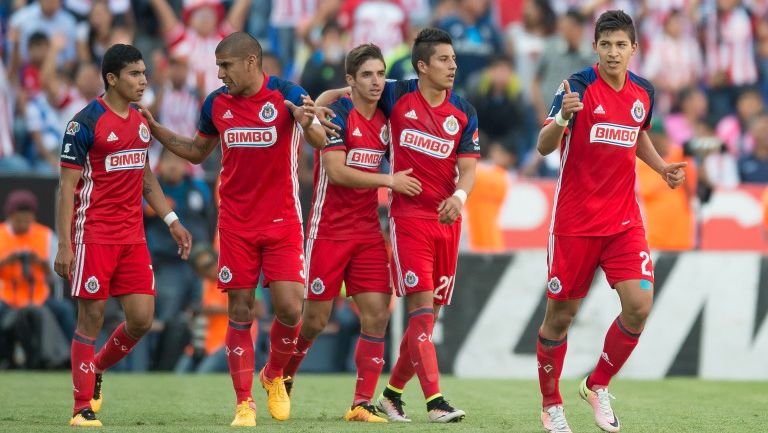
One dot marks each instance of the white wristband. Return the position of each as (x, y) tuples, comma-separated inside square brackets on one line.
[(170, 218), (560, 120), (461, 195)]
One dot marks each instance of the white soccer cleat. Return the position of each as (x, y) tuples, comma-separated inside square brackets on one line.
[(444, 412), (600, 401), (554, 420), (393, 409)]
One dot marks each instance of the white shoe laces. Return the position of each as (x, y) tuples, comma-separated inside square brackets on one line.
[(604, 402), (557, 418)]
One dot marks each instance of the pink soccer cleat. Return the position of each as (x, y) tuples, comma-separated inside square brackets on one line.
[(600, 401), (554, 420)]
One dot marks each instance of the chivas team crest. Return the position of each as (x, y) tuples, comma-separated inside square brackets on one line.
[(268, 112), (92, 285), (144, 133), (317, 286), (451, 125), (638, 111), (384, 134), (225, 275)]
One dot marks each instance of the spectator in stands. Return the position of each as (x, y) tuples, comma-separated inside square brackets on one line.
[(10, 161), (475, 39), (29, 75), (176, 102), (753, 168), (26, 306), (529, 37), (734, 128), (564, 51), (120, 9), (729, 50), (271, 65), (381, 22), (94, 36), (497, 97), (716, 167), (176, 286), (45, 16), (196, 37), (674, 46), (667, 212), (399, 66), (762, 56), (691, 110), (325, 68)]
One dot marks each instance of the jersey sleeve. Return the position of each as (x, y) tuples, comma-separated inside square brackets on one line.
[(393, 90), (78, 140), (205, 125), (469, 143), (290, 91), (340, 142)]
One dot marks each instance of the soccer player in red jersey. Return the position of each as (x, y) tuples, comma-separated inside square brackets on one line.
[(434, 132), (254, 117), (102, 248), (344, 241), (599, 119)]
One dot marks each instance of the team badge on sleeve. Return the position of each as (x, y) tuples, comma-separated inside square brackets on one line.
[(411, 279), (144, 132), (268, 112), (476, 139), (92, 285), (451, 125), (225, 275), (384, 134), (638, 111), (317, 287), (72, 128), (554, 286)]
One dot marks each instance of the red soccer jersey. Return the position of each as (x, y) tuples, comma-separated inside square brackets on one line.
[(430, 140), (595, 193), (111, 152), (260, 147), (339, 212)]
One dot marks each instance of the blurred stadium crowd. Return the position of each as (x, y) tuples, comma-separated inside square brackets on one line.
[(707, 58)]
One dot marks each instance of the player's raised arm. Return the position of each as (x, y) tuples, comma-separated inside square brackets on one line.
[(153, 194), (65, 257), (552, 134), (672, 173), (194, 149)]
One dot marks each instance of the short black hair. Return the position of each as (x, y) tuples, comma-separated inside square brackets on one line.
[(240, 45), (37, 38), (615, 20), (424, 45), (116, 58), (576, 16), (359, 55)]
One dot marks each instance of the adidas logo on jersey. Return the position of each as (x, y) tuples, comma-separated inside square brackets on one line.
[(599, 110), (357, 132), (227, 115), (411, 115), (112, 136)]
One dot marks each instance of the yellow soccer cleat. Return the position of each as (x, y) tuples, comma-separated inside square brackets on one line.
[(363, 412), (97, 395), (85, 418), (245, 414), (278, 401)]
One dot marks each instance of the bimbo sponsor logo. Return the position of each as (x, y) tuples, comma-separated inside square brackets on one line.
[(250, 137), (425, 143), (366, 158), (611, 133), (130, 159)]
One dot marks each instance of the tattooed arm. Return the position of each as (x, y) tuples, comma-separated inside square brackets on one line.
[(194, 149)]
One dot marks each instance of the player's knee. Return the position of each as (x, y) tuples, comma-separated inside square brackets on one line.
[(90, 318), (313, 325), (637, 315), (557, 325), (289, 314), (375, 322), (138, 327), (240, 312)]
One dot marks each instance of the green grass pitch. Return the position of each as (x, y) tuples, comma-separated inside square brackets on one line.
[(41, 402)]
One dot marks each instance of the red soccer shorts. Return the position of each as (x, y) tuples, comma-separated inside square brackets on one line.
[(424, 253), (361, 264), (573, 260), (277, 252), (102, 270)]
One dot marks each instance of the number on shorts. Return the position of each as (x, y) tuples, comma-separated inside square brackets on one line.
[(302, 272), (442, 290), (644, 267)]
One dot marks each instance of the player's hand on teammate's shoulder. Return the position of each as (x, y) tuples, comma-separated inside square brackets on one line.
[(571, 102), (147, 115), (182, 237), (674, 174), (403, 183), (64, 262), (449, 210)]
